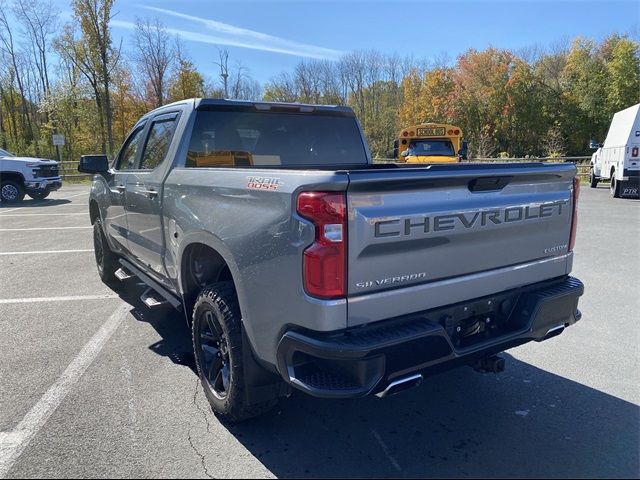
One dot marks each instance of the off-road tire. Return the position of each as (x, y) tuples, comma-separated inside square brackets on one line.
[(218, 303), (40, 195), (11, 191), (106, 260)]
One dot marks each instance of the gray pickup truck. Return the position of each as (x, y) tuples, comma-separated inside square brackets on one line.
[(301, 264)]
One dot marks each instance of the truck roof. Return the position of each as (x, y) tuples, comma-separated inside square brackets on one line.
[(203, 103), (222, 103), (624, 126)]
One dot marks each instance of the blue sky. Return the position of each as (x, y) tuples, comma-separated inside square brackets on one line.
[(268, 37)]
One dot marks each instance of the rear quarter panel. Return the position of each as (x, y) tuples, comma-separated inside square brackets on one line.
[(261, 238)]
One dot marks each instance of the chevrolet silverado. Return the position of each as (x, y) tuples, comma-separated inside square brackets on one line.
[(298, 263)]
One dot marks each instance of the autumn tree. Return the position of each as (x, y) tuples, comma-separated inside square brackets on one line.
[(554, 143), (283, 88), (74, 52), (154, 54), (98, 55), (186, 81), (223, 65), (16, 73)]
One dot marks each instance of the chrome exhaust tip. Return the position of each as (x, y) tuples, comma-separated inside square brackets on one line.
[(400, 385), (553, 332)]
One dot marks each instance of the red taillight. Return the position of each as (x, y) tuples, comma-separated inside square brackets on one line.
[(449, 132), (634, 152), (457, 132), (574, 214), (324, 262)]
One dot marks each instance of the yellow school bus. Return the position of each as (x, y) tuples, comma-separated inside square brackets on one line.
[(430, 143)]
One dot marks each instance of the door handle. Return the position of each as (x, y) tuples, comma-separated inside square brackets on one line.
[(120, 188), (151, 193)]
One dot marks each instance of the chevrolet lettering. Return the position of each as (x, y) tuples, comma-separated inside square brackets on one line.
[(438, 223)]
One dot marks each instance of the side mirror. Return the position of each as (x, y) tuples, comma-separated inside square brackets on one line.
[(395, 149), (93, 164), (593, 145), (464, 151)]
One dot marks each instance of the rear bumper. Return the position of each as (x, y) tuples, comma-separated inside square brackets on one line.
[(630, 184), (361, 361)]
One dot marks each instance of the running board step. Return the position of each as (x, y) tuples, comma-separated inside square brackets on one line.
[(159, 293), (152, 300), (122, 275)]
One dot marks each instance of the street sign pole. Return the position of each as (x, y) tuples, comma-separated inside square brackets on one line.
[(59, 158), (58, 140)]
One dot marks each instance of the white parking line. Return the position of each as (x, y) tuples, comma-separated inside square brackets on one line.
[(40, 228), (386, 451), (46, 203), (13, 444), (5, 301), (43, 214), (42, 252)]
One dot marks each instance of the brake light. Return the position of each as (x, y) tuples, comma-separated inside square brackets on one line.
[(324, 262), (634, 152), (574, 214)]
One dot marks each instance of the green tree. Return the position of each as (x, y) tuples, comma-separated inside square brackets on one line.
[(623, 85), (584, 83), (186, 82), (93, 17)]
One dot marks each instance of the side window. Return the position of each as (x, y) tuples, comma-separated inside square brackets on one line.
[(158, 142), (127, 158)]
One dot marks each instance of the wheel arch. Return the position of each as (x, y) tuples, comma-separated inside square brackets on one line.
[(12, 176), (94, 211), (216, 265)]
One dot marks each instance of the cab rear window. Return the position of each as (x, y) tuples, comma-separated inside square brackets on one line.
[(249, 138)]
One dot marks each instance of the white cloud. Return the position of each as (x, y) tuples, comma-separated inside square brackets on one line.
[(224, 34)]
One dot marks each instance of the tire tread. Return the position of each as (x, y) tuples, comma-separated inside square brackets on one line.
[(234, 408)]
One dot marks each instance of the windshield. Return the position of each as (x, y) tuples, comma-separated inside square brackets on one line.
[(241, 138), (442, 148), (4, 153)]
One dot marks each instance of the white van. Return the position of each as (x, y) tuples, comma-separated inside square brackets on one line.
[(618, 159)]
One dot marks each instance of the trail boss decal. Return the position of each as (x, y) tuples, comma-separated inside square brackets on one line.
[(264, 183)]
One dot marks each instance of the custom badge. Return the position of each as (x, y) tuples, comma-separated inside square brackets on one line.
[(264, 183)]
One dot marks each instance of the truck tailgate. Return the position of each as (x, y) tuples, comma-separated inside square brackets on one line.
[(426, 237)]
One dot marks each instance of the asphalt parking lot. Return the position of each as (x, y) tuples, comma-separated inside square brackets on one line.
[(93, 385)]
